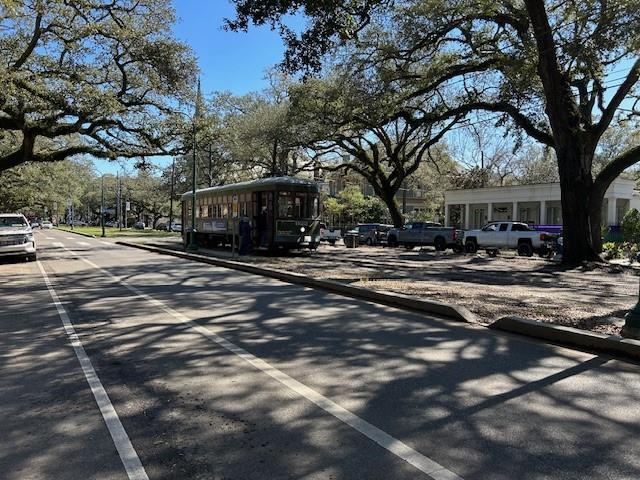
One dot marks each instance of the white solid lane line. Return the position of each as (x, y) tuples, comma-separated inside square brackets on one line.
[(386, 441), (69, 238), (128, 455)]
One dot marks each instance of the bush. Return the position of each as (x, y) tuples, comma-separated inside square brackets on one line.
[(631, 226), (628, 250), (610, 250)]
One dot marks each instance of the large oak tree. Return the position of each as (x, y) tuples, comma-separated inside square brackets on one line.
[(350, 125), (91, 77), (561, 71)]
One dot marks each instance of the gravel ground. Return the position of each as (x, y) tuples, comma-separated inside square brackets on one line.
[(592, 297)]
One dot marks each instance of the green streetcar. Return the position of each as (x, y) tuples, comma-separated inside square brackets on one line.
[(283, 213)]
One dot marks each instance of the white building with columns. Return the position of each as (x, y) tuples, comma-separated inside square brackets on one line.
[(535, 204)]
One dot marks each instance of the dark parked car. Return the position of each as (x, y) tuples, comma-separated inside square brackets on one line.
[(371, 233)]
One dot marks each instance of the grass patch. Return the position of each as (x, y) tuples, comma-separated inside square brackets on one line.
[(112, 232)]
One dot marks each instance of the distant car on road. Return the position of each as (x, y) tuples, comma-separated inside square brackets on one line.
[(16, 237), (46, 225), (139, 225), (35, 223), (176, 227), (79, 223)]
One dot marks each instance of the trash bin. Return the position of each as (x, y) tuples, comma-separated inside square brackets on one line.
[(351, 240)]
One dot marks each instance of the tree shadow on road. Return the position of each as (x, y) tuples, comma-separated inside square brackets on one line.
[(485, 404)]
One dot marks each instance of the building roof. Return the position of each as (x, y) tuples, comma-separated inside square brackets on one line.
[(527, 186), (252, 184), (619, 188)]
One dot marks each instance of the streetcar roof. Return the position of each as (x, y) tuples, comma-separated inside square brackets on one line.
[(255, 184)]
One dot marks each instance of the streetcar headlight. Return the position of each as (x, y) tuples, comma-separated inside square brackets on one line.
[(302, 229)]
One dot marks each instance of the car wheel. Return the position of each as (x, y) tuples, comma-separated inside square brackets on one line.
[(440, 244), (369, 242), (392, 242), (525, 250), (32, 258), (471, 247)]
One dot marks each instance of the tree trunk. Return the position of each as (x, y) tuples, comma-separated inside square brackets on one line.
[(577, 193), (595, 215), (394, 209)]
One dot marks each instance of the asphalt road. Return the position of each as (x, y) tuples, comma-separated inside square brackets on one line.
[(188, 371)]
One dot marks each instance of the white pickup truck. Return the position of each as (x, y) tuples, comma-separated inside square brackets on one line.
[(516, 235), (330, 235)]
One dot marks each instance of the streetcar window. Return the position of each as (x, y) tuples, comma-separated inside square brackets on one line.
[(315, 205), (285, 205), (297, 207)]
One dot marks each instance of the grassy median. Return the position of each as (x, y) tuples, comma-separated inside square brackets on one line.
[(112, 232)]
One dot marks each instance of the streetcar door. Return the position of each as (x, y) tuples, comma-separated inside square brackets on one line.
[(264, 218)]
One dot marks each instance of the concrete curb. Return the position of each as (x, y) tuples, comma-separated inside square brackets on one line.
[(88, 235), (571, 337), (452, 311)]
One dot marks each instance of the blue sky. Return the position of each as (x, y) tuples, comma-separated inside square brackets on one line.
[(228, 61)]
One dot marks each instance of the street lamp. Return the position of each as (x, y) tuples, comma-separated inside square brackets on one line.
[(102, 208), (193, 245), (173, 175)]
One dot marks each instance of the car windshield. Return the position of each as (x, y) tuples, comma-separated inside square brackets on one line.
[(8, 222)]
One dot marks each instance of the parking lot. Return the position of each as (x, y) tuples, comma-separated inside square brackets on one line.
[(594, 297)]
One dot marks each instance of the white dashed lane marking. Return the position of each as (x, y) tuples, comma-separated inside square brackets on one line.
[(57, 245), (84, 244), (128, 455), (423, 463)]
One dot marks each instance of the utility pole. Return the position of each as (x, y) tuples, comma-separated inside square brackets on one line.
[(118, 198), (192, 244), (173, 171), (210, 166), (102, 209), (120, 203)]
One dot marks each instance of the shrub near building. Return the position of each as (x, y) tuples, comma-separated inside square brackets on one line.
[(630, 246)]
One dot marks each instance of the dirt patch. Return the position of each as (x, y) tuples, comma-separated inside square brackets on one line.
[(592, 297)]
